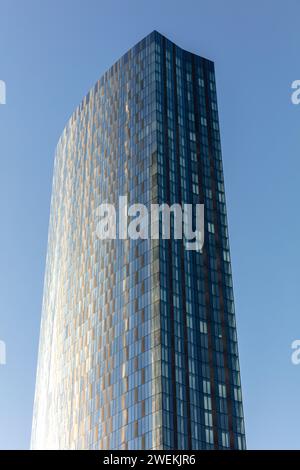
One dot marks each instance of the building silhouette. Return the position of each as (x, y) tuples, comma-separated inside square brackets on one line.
[(138, 344)]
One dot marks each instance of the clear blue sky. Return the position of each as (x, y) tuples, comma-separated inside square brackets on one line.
[(51, 53)]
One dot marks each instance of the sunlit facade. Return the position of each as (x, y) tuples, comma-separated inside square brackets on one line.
[(138, 346)]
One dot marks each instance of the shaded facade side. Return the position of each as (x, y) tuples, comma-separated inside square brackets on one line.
[(202, 399)]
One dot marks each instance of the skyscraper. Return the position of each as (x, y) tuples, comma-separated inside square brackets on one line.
[(138, 345)]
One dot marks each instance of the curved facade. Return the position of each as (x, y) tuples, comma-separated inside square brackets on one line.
[(138, 343)]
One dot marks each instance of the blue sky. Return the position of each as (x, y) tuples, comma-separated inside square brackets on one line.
[(51, 53)]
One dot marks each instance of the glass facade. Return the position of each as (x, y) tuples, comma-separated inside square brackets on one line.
[(138, 345)]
